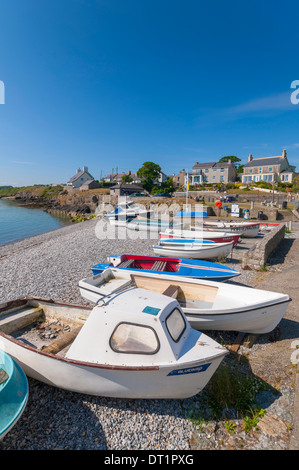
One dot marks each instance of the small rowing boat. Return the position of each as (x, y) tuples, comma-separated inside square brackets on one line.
[(217, 237), (14, 392), (173, 266), (194, 249), (207, 305)]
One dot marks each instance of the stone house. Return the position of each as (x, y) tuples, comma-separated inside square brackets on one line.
[(90, 184), (213, 172), (268, 169), (179, 179), (125, 189), (81, 177)]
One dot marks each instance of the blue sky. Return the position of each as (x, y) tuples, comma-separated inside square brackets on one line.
[(114, 83)]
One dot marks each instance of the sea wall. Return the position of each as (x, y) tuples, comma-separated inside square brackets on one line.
[(257, 256)]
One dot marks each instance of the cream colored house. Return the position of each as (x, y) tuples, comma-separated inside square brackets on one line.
[(268, 169), (213, 172)]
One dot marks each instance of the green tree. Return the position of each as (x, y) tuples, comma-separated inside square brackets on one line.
[(168, 186), (126, 179), (149, 172), (232, 158)]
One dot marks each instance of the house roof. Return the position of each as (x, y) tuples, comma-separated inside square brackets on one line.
[(265, 161), (213, 165), (127, 186), (79, 174)]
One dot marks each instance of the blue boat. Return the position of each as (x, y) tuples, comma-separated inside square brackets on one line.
[(14, 392), (191, 214), (186, 241), (176, 266)]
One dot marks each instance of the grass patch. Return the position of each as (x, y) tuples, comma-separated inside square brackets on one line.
[(233, 388)]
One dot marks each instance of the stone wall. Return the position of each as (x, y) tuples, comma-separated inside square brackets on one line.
[(257, 256)]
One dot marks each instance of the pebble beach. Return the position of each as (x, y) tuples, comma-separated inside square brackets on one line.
[(50, 266)]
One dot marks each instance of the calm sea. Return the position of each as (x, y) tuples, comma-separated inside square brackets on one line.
[(17, 222)]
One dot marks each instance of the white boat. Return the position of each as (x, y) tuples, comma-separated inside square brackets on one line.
[(134, 345), (151, 225), (184, 248), (208, 305), (246, 229), (126, 210), (217, 237)]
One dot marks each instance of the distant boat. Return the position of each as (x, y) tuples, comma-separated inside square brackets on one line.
[(217, 237), (194, 249), (207, 305), (14, 393), (169, 266), (191, 214), (246, 229), (127, 210), (151, 225), (134, 345)]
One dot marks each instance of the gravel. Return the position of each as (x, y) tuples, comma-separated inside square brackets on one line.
[(50, 266)]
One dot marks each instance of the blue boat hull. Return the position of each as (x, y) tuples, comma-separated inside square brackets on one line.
[(13, 393), (198, 269)]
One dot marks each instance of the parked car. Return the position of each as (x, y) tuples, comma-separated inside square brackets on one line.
[(162, 195), (229, 199), (138, 195)]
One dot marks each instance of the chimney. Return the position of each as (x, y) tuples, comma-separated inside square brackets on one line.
[(85, 168), (250, 158), (79, 169), (284, 154)]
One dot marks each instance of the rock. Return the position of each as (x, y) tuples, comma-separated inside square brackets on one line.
[(273, 426)]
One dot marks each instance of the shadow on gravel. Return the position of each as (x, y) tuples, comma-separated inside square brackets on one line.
[(279, 254)]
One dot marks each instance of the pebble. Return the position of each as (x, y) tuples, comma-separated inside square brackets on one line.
[(50, 266)]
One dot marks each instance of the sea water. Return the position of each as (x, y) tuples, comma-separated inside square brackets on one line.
[(19, 222)]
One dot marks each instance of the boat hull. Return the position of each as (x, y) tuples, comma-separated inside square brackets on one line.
[(13, 393), (258, 320), (117, 382), (204, 234), (217, 250), (245, 230)]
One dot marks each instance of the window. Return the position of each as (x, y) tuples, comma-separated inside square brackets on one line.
[(175, 324), (270, 169), (134, 339), (260, 169)]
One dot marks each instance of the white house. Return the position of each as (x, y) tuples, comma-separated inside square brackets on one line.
[(81, 177)]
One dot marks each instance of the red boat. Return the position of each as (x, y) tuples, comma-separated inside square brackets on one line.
[(217, 237)]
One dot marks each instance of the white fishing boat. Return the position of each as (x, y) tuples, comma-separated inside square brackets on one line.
[(134, 345), (194, 249), (151, 225), (125, 210), (208, 305), (246, 229), (217, 237)]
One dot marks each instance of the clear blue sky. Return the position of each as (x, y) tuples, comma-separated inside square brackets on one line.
[(114, 83)]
